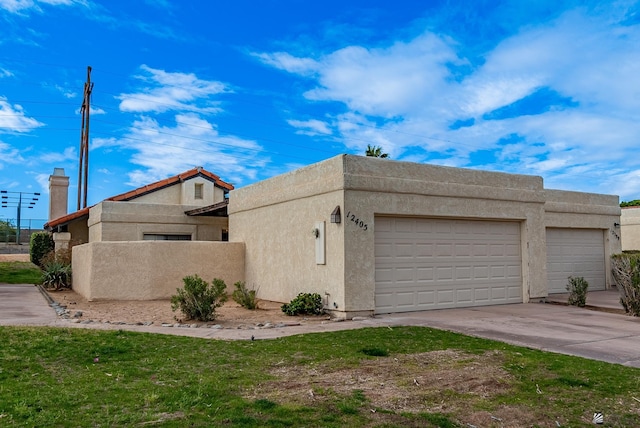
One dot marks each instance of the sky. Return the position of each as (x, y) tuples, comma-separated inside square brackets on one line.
[(253, 89)]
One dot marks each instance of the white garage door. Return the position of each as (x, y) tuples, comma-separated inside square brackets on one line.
[(426, 264), (575, 252)]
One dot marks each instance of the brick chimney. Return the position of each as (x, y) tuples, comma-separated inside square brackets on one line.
[(58, 194)]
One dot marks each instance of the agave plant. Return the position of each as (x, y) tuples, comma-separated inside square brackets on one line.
[(56, 274)]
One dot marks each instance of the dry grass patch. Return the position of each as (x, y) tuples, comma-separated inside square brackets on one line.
[(444, 381)]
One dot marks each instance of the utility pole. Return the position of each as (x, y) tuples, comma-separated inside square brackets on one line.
[(83, 167)]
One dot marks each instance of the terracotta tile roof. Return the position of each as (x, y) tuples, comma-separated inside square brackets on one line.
[(140, 191), (135, 193), (67, 218)]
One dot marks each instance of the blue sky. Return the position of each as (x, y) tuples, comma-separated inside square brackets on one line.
[(252, 89)]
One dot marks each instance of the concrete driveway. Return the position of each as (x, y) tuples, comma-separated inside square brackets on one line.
[(598, 335)]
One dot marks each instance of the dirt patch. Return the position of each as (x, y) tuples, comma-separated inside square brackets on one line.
[(158, 312), (15, 258), (446, 382)]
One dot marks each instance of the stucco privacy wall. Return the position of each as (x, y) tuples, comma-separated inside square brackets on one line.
[(275, 218), (148, 270), (630, 228), (578, 210), (129, 221)]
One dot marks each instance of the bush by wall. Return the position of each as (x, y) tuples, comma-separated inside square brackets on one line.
[(577, 287), (198, 300), (304, 304), (244, 297), (626, 272), (40, 244)]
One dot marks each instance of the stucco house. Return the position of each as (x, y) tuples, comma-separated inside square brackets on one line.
[(630, 228), (378, 236), (417, 237), (118, 258)]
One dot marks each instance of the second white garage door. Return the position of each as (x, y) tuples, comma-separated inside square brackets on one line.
[(426, 264), (575, 252)]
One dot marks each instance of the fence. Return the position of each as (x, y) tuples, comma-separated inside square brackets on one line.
[(9, 229)]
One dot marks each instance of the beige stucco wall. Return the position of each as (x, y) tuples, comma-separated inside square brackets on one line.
[(129, 221), (79, 231), (275, 217), (150, 270), (579, 210), (630, 228), (184, 194)]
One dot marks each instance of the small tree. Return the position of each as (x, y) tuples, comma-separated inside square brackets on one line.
[(633, 203), (626, 272), (197, 300), (41, 243), (375, 152), (7, 231)]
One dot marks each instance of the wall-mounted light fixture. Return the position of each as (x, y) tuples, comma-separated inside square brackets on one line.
[(335, 215), (616, 224)]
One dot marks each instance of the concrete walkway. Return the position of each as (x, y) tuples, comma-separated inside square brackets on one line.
[(594, 334), (23, 304)]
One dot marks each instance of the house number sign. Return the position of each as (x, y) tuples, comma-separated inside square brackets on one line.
[(362, 225)]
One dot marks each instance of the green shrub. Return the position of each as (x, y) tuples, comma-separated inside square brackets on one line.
[(41, 244), (198, 300), (577, 287), (304, 304), (244, 297), (626, 272)]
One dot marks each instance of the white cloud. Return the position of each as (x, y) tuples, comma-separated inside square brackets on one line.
[(66, 92), (20, 6), (68, 154), (161, 151), (94, 110), (166, 91), (9, 155), (406, 97), (43, 181), (310, 127), (13, 118), (5, 73), (287, 62)]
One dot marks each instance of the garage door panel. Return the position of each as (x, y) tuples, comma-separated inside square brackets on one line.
[(575, 252), (455, 263), (465, 296), (445, 297), (482, 294), (426, 298)]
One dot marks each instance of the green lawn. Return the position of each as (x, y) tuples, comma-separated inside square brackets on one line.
[(19, 273), (382, 377)]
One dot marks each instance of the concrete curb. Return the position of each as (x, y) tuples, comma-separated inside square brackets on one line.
[(46, 295)]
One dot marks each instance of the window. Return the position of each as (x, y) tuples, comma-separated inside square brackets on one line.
[(225, 235), (198, 190), (165, 237)]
